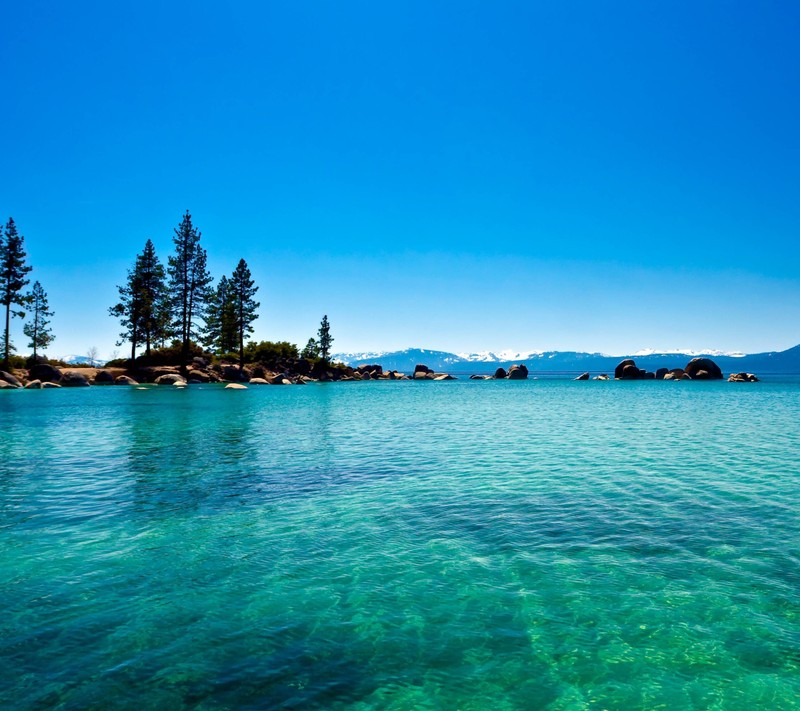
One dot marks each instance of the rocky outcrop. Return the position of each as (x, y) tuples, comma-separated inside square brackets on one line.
[(258, 381), (703, 369), (7, 386), (281, 379), (34, 385), (199, 376), (48, 385), (582, 376), (661, 372), (602, 376), (518, 372), (104, 377), (500, 373), (124, 380), (72, 379), (235, 386), (742, 378), (45, 372), (444, 376)]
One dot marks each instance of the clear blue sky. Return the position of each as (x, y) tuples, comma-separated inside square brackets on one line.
[(457, 175)]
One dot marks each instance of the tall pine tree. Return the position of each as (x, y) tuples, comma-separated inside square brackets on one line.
[(12, 281), (245, 307), (38, 329), (188, 284), (141, 308), (324, 339), (221, 336)]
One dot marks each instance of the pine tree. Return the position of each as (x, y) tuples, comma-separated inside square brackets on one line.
[(38, 330), (324, 339), (188, 285), (221, 319), (311, 350), (12, 280), (141, 308), (245, 307)]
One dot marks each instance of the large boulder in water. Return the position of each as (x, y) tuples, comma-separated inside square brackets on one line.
[(703, 369), (71, 379), (45, 372), (500, 373), (618, 371), (582, 376), (629, 372), (236, 374), (104, 377), (518, 372)]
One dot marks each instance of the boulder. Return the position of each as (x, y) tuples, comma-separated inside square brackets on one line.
[(34, 385), (104, 377), (258, 381), (170, 379), (646, 375), (199, 362), (10, 379), (742, 378), (628, 372), (71, 379), (124, 380), (281, 379), (235, 374), (45, 372), (6, 386), (199, 376), (518, 372), (500, 373), (621, 367), (419, 368), (582, 376), (366, 375), (660, 373), (235, 386), (703, 369), (46, 385), (602, 376), (443, 376)]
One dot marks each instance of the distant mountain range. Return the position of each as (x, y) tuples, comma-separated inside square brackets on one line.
[(787, 361)]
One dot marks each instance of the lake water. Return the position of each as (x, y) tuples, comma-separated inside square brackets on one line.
[(451, 545)]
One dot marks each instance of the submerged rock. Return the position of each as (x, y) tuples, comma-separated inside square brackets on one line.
[(235, 386)]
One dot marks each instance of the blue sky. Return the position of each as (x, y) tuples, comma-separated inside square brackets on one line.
[(457, 175)]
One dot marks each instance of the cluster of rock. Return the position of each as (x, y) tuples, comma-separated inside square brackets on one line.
[(515, 372), (696, 369)]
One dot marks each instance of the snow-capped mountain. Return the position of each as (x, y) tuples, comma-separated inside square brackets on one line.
[(571, 361)]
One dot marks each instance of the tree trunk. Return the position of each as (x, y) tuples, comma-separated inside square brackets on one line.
[(6, 363)]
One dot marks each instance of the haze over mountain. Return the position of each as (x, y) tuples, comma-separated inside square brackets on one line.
[(787, 361)]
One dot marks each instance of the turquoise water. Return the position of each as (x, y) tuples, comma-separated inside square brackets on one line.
[(454, 545)]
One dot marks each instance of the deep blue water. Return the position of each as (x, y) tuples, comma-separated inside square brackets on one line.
[(469, 545)]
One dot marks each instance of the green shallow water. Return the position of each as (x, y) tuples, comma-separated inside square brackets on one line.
[(457, 545)]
